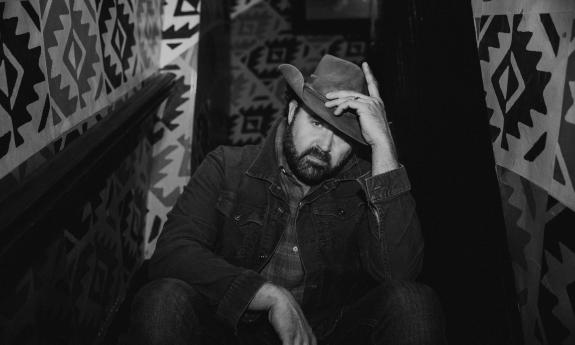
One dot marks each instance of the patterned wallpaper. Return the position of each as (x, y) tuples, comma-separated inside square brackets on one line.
[(63, 61), (81, 59), (527, 54), (70, 292), (262, 38), (172, 136)]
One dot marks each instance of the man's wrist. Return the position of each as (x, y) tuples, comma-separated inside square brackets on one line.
[(265, 297), (383, 158)]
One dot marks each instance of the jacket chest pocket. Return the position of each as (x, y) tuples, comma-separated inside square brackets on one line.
[(336, 222), (241, 229)]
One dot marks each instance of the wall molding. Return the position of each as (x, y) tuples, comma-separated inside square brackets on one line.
[(59, 181)]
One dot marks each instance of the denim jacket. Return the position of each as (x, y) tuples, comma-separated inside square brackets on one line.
[(351, 229)]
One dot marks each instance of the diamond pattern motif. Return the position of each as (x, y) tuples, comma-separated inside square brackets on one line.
[(12, 74), (74, 54), (523, 48), (511, 85), (119, 39)]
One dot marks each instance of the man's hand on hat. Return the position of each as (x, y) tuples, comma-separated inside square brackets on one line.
[(372, 119)]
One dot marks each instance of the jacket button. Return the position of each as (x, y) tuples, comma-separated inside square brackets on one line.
[(341, 212), (295, 249), (237, 217), (280, 209)]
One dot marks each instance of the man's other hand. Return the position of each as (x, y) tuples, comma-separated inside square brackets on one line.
[(284, 314)]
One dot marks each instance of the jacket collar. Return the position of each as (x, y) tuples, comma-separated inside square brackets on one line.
[(266, 165)]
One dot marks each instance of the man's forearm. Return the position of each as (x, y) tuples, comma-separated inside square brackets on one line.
[(284, 314), (266, 296), (383, 157)]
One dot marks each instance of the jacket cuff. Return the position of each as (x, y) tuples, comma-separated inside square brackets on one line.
[(238, 296), (386, 186)]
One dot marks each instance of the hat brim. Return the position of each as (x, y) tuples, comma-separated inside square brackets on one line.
[(347, 123)]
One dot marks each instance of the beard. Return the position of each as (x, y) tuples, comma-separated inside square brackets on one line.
[(313, 165)]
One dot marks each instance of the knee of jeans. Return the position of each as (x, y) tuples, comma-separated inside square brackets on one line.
[(166, 291), (163, 312), (163, 301), (409, 297)]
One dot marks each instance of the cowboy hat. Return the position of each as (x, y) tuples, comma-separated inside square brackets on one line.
[(331, 74)]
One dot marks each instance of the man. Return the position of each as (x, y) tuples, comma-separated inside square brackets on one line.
[(311, 237)]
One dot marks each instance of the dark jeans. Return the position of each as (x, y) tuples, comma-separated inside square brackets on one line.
[(169, 311)]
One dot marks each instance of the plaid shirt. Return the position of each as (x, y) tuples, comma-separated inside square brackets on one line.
[(285, 267)]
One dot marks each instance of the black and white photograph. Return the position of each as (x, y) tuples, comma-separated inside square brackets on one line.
[(276, 172)]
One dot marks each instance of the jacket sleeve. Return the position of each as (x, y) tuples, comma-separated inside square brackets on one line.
[(394, 246), (185, 248)]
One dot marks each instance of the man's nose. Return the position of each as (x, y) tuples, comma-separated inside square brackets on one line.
[(326, 140)]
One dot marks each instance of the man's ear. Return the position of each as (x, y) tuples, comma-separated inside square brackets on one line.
[(292, 108)]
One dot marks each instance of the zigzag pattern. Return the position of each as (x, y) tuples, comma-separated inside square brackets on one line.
[(72, 57), (519, 50), (119, 29), (182, 32), (79, 277), (495, 24), (22, 74), (174, 105)]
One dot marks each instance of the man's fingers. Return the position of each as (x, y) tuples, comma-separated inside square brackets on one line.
[(338, 101), (340, 108), (370, 79), (344, 94), (356, 104), (335, 102)]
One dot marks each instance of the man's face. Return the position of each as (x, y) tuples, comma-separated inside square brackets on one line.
[(313, 151)]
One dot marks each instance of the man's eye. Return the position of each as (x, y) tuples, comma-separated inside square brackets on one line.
[(316, 123)]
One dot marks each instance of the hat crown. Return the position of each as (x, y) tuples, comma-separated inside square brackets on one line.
[(334, 74)]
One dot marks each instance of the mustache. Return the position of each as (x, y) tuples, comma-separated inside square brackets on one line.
[(317, 153)]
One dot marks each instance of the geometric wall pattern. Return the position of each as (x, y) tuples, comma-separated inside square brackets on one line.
[(55, 147), (76, 284), (64, 66), (528, 65), (180, 28), (262, 38), (172, 137), (63, 61), (543, 258), (527, 56)]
